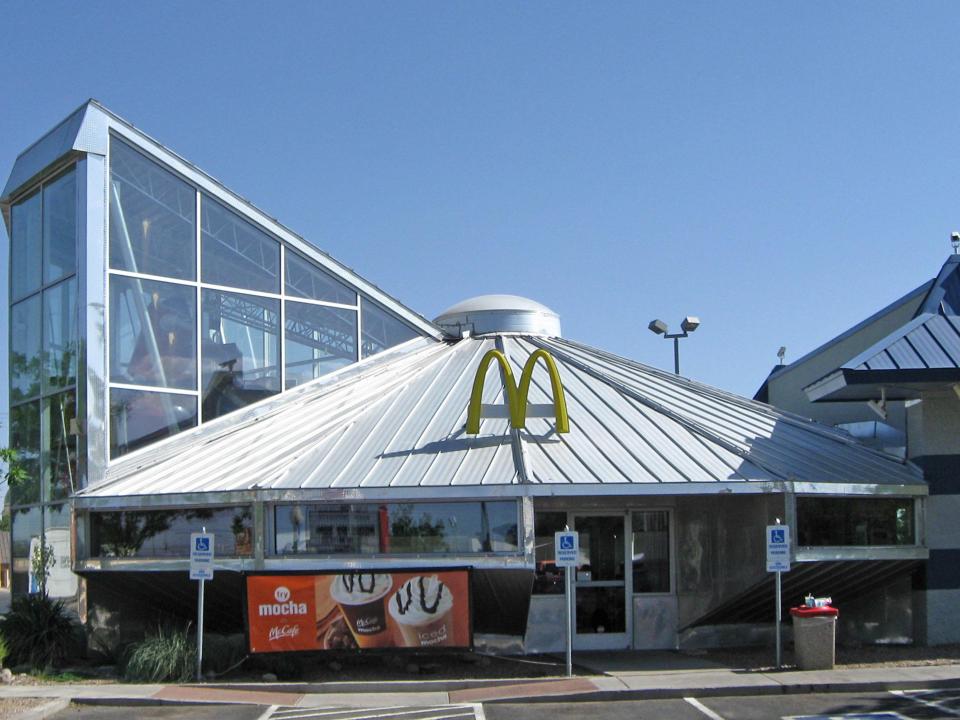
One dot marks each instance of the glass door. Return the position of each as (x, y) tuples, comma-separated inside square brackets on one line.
[(600, 585)]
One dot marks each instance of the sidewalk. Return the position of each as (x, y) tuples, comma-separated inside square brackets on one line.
[(613, 676)]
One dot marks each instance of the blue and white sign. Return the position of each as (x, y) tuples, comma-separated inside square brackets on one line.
[(201, 556), (778, 548), (566, 548)]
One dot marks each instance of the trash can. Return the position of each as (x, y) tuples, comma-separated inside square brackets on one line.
[(814, 637)]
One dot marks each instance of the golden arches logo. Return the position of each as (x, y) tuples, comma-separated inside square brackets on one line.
[(517, 396)]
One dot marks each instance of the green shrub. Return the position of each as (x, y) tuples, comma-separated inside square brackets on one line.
[(170, 655), (38, 631), (3, 651)]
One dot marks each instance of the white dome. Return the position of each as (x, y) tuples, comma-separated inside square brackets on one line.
[(500, 313)]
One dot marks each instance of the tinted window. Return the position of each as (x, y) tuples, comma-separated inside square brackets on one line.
[(381, 330), (138, 418), (25, 438), (240, 352), (153, 333), (318, 340), (60, 227), (236, 253), (25, 357), (152, 217), (60, 335), (25, 246), (834, 521), (166, 533), (457, 527), (304, 279)]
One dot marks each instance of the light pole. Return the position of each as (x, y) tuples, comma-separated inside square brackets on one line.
[(688, 325)]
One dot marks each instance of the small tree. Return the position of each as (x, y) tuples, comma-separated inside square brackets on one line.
[(42, 563)]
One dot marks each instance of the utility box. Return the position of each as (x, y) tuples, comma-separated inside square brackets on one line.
[(815, 637)]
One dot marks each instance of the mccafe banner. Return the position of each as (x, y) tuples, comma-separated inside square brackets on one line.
[(359, 610)]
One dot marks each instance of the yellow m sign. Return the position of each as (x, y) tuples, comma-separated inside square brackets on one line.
[(517, 397)]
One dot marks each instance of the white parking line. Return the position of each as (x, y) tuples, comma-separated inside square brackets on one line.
[(435, 712), (915, 695), (703, 708)]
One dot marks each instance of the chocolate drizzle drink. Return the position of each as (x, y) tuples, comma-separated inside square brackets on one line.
[(422, 609), (360, 597)]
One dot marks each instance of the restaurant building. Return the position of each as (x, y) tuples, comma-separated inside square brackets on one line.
[(180, 360)]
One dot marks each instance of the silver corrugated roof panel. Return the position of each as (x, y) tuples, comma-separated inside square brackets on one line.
[(398, 423)]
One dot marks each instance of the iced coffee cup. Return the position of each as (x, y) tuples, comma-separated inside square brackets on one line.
[(423, 611), (360, 597)]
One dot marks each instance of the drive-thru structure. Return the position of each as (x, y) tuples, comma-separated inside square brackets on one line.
[(179, 359)]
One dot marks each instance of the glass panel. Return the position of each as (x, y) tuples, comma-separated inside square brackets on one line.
[(318, 340), (25, 525), (153, 333), (60, 335), (548, 579), (61, 580), (60, 227), (60, 451), (651, 551), (166, 533), (25, 246), (601, 548), (25, 349), (304, 279), (240, 352), (235, 252), (466, 527), (152, 217), (830, 521), (25, 439), (601, 610), (381, 330), (140, 418)]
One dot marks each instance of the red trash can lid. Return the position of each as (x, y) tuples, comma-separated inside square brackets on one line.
[(804, 611)]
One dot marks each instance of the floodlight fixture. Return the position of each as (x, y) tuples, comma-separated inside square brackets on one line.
[(658, 326), (687, 325)]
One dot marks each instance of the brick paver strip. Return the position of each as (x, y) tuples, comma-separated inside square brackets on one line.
[(532, 689), (203, 694)]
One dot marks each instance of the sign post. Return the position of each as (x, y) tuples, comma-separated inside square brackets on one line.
[(566, 548), (201, 568), (778, 561)]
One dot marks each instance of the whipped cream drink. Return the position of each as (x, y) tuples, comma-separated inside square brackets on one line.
[(360, 597), (422, 609)]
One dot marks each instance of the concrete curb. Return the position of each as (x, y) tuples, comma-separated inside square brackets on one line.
[(46, 710), (730, 691)]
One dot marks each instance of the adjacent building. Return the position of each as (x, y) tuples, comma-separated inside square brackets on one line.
[(893, 381)]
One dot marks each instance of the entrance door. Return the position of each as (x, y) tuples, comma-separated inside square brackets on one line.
[(600, 585)]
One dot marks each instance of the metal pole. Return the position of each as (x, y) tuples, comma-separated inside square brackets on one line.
[(779, 648), (676, 355), (200, 629), (569, 598)]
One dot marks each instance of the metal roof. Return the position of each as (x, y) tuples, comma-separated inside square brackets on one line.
[(394, 426)]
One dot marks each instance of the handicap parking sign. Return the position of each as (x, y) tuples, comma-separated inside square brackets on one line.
[(201, 556), (778, 548), (566, 547)]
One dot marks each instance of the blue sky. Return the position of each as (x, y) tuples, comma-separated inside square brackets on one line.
[(780, 170)]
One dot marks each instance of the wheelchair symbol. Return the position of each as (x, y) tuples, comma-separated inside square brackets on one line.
[(203, 544), (566, 542), (777, 537)]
